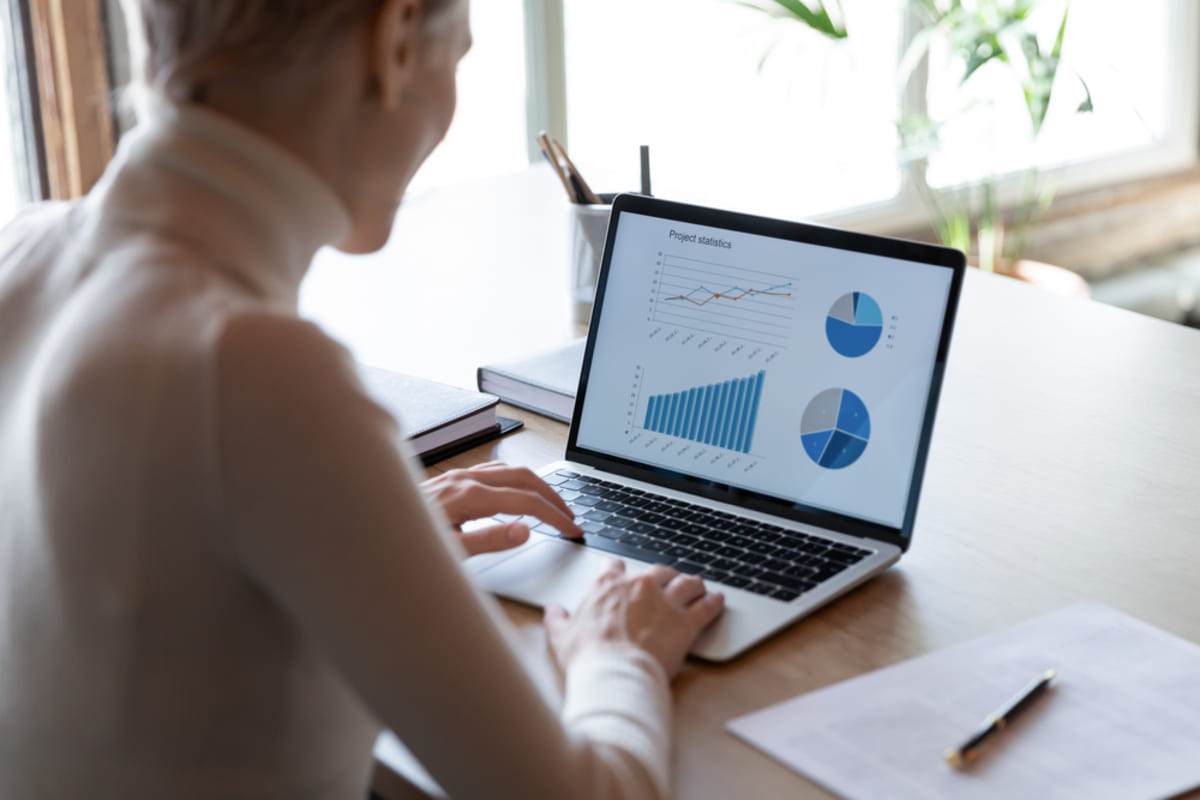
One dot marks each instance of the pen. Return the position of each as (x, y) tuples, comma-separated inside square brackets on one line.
[(543, 140), (585, 192), (999, 720)]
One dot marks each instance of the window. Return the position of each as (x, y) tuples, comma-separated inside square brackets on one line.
[(811, 130), (20, 179), (812, 133), (488, 133), (1143, 93)]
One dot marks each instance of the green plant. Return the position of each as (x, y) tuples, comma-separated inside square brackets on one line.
[(976, 33), (815, 15)]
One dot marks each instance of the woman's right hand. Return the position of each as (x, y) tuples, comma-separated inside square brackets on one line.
[(660, 611)]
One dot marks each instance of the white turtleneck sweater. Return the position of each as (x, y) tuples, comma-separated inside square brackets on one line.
[(218, 575)]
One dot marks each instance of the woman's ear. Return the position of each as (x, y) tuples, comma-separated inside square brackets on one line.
[(394, 45)]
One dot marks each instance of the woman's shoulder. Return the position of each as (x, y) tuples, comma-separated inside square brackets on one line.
[(262, 343)]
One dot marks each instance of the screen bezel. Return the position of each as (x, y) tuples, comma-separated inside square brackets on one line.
[(821, 236)]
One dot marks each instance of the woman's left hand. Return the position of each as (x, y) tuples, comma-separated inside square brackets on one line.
[(496, 488)]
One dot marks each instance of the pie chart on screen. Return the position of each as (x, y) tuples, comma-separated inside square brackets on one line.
[(854, 324), (835, 428)]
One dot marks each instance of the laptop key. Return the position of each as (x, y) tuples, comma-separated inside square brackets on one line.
[(688, 567), (611, 533), (634, 539), (736, 582), (586, 500), (786, 595), (843, 558), (618, 521), (784, 581), (676, 551), (626, 549), (761, 588)]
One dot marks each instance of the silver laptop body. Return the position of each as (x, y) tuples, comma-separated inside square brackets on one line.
[(755, 406)]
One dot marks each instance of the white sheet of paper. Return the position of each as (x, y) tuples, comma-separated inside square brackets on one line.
[(1121, 720)]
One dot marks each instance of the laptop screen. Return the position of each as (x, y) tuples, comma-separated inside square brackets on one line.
[(793, 362)]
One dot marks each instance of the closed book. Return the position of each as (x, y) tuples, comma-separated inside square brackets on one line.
[(438, 419), (544, 382)]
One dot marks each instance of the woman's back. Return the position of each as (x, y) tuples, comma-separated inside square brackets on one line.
[(134, 654)]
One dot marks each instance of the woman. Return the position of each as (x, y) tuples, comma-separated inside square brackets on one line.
[(219, 575)]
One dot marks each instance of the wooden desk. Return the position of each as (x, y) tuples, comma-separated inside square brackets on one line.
[(1063, 468)]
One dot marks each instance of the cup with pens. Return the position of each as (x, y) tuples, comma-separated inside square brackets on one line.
[(589, 213)]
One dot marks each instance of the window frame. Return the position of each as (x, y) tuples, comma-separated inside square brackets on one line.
[(68, 61)]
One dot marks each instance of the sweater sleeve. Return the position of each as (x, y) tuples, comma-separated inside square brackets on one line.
[(326, 515)]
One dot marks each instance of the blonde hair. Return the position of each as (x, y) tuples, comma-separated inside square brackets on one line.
[(178, 45)]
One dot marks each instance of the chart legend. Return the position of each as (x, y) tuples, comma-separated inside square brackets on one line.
[(718, 414)]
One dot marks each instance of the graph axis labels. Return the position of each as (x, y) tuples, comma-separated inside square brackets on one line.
[(854, 324), (835, 428)]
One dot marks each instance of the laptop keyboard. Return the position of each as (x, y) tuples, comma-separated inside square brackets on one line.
[(720, 547)]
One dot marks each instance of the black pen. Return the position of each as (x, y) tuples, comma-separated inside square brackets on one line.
[(999, 720)]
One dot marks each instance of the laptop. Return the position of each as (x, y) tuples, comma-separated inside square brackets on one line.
[(755, 407)]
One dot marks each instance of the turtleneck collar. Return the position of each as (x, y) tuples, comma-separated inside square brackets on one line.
[(254, 209)]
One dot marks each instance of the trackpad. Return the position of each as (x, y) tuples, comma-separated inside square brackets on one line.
[(550, 571)]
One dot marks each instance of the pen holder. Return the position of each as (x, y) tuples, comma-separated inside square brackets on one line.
[(588, 228)]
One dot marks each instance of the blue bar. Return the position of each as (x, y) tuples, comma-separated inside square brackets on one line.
[(673, 415), (660, 409), (744, 443), (714, 416), (690, 422), (693, 413), (738, 417), (702, 421), (682, 412), (754, 410), (735, 397), (649, 423), (722, 419)]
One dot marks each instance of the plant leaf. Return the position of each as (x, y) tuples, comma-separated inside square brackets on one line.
[(819, 20)]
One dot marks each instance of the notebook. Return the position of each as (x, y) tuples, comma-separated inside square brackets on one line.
[(755, 406)]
